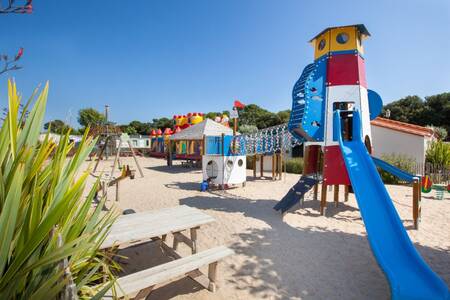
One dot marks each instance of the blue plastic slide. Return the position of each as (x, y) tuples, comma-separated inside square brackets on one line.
[(393, 170), (408, 274)]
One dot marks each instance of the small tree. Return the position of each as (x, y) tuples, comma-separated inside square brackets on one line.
[(57, 126), (90, 116), (439, 132), (247, 129)]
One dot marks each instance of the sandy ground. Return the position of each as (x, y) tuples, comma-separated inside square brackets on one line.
[(304, 256)]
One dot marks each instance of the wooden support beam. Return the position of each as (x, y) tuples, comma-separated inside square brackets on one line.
[(254, 165), (316, 191), (261, 165), (346, 192), (212, 276), (135, 159), (143, 293), (116, 158), (416, 203), (336, 195), (194, 240), (323, 199), (274, 157)]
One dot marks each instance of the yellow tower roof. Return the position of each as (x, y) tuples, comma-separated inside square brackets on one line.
[(361, 28)]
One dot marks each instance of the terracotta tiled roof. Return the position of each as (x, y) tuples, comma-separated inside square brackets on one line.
[(403, 127)]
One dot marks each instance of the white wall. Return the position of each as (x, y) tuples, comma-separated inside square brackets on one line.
[(388, 141)]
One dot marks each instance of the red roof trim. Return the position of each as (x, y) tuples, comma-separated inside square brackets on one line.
[(402, 127)]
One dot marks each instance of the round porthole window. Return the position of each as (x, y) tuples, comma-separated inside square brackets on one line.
[(240, 162), (212, 169), (342, 38), (322, 44), (230, 164)]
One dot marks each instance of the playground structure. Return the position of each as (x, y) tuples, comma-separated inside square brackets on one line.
[(222, 153), (223, 161), (331, 113), (185, 149)]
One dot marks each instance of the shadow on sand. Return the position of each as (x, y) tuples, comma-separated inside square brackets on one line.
[(175, 169), (304, 262)]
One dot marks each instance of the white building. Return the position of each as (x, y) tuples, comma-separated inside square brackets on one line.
[(394, 137), (140, 141)]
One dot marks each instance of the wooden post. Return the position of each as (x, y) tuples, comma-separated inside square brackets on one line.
[(261, 164), (169, 153), (346, 191), (273, 165), (280, 166), (116, 159), (117, 191), (102, 149), (416, 203), (204, 145), (323, 199), (336, 195), (212, 276), (135, 159), (306, 150), (194, 240), (254, 165), (316, 191)]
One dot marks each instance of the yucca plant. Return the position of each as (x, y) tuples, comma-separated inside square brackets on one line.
[(49, 232)]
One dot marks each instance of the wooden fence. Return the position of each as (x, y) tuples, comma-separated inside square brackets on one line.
[(439, 174)]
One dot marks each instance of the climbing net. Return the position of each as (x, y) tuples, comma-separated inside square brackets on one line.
[(267, 141)]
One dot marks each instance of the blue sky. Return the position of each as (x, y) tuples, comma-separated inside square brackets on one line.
[(150, 59)]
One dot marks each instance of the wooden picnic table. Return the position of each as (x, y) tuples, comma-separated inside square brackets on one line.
[(142, 227), (138, 228)]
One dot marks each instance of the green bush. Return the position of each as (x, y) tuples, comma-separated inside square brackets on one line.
[(46, 218), (438, 153), (402, 162), (294, 165)]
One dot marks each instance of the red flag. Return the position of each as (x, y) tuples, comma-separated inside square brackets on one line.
[(238, 104)]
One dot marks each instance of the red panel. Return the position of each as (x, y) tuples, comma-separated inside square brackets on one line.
[(334, 171), (346, 69), (362, 72)]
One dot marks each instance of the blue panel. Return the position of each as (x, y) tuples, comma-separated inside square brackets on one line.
[(231, 145), (375, 104), (313, 122), (213, 145), (234, 145), (299, 103)]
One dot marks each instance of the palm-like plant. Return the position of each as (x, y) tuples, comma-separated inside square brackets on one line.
[(50, 234)]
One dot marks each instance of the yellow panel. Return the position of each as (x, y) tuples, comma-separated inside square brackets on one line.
[(319, 52), (350, 44)]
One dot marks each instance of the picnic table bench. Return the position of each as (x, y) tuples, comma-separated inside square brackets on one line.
[(134, 229)]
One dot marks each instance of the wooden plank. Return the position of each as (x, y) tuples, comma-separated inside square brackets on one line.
[(141, 280), (144, 226)]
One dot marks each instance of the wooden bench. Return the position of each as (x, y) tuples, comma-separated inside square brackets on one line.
[(140, 284)]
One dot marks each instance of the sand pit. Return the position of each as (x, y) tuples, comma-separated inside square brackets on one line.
[(304, 256)]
